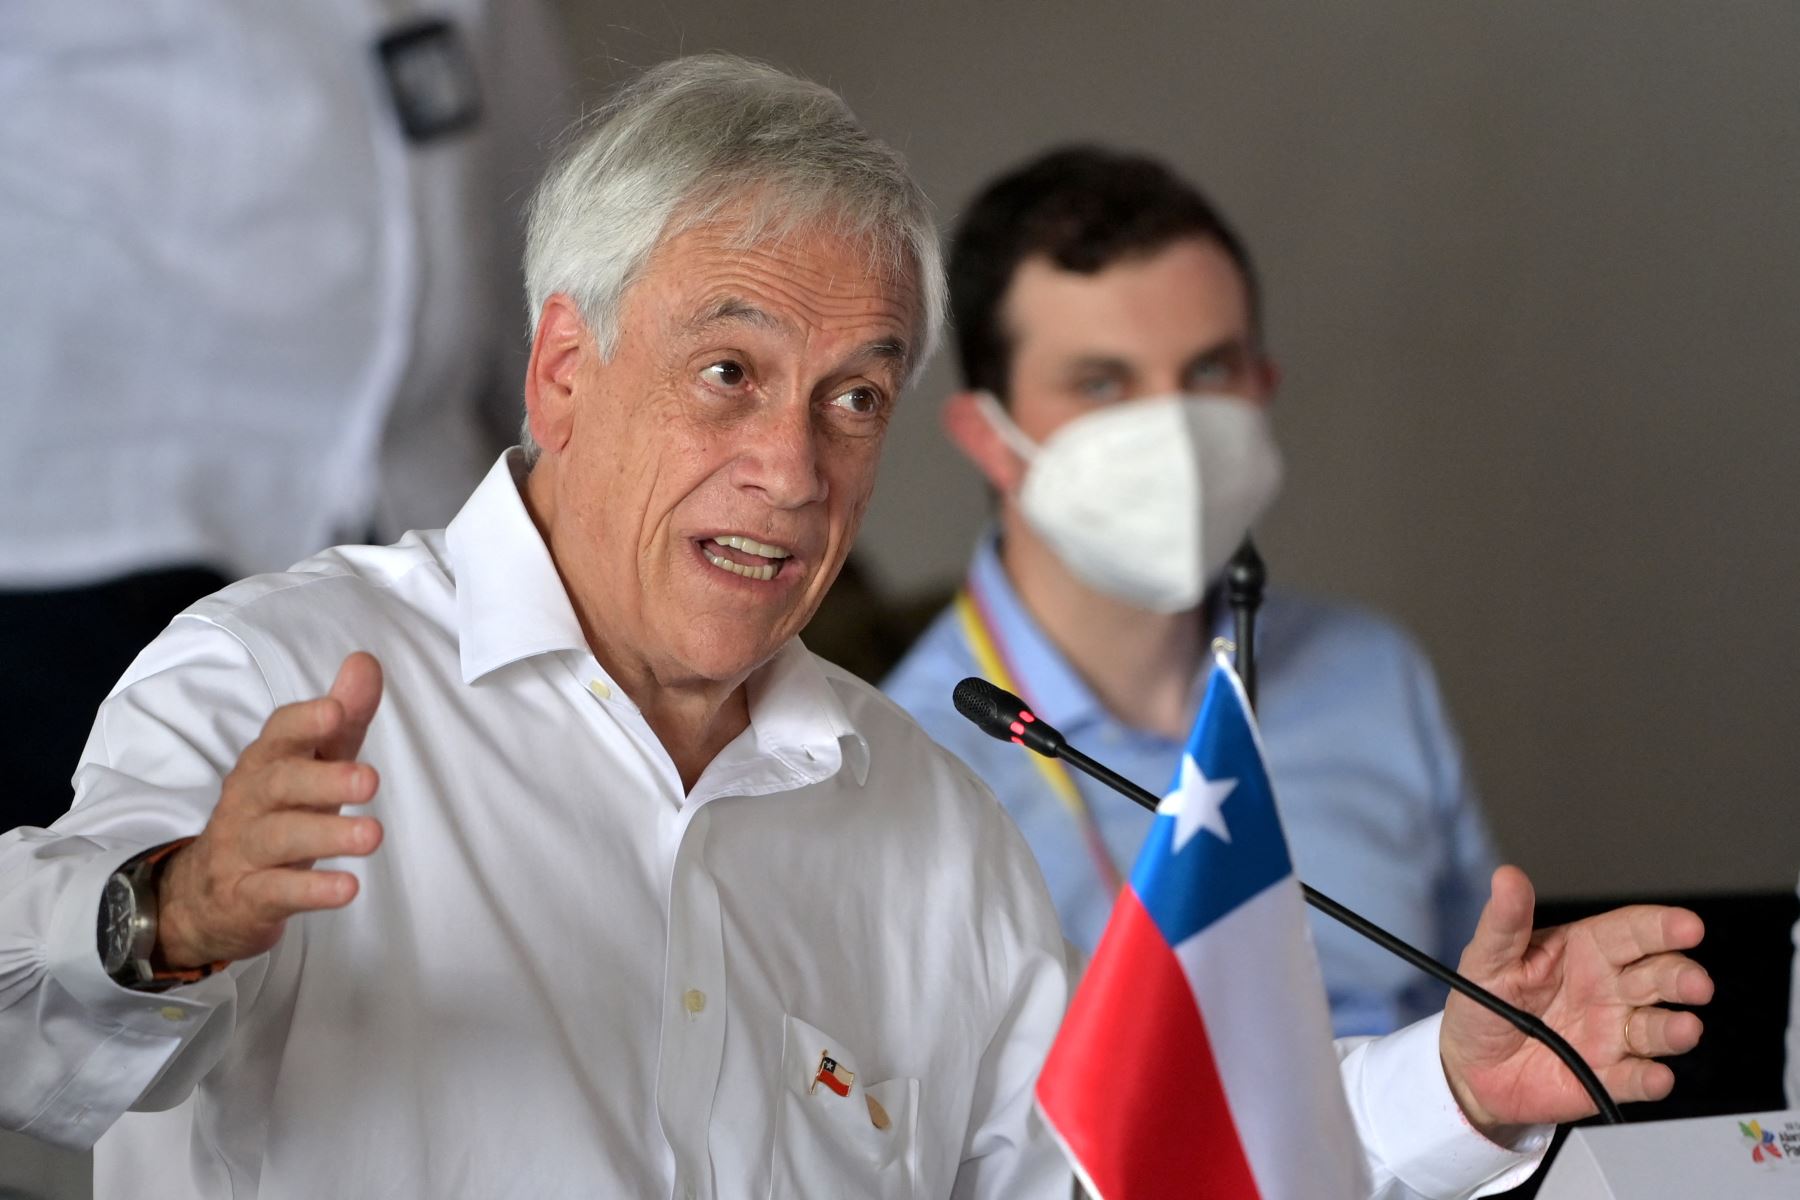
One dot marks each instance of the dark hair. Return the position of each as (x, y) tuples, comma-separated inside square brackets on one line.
[(1083, 207)]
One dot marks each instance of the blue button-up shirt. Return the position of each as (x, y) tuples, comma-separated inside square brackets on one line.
[(1368, 775)]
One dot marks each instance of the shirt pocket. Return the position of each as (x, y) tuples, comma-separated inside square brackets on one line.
[(830, 1146)]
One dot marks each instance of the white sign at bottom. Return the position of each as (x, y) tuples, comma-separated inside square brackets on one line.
[(1749, 1157)]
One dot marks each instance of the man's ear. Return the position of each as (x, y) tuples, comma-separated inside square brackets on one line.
[(970, 431), (559, 349)]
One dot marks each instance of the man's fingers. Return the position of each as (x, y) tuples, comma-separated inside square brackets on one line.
[(282, 892), (312, 783), (330, 726), (297, 730), (358, 689), (1503, 933), (1636, 1079), (1639, 930), (1660, 1032), (284, 838), (1667, 978)]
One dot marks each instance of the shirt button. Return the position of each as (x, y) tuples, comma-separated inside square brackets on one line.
[(171, 1013), (694, 1000), (600, 689)]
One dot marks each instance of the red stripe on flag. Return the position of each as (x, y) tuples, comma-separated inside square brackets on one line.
[(1131, 1085)]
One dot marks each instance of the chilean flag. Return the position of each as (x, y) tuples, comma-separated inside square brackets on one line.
[(1196, 1059)]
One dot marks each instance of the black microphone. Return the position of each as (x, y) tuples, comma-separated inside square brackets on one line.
[(1245, 576), (998, 713)]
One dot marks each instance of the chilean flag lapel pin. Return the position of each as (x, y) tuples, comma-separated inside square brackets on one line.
[(831, 1075)]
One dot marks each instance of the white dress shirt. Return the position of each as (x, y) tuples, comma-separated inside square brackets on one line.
[(245, 317), (562, 975)]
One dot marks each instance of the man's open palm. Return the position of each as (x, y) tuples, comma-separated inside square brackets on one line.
[(1597, 982)]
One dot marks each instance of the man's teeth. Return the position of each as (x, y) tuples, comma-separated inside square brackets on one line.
[(764, 572), (744, 545), (751, 546)]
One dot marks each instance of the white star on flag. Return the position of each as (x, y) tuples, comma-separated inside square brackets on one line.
[(1197, 803)]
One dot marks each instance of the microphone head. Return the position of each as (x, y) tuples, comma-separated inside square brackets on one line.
[(1000, 714), (981, 702)]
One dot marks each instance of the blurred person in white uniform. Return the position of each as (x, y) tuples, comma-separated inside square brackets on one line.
[(258, 296)]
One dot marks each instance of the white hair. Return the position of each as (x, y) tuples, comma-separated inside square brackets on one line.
[(693, 136)]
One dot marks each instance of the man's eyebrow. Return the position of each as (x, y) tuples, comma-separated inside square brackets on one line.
[(1221, 348), (1099, 363), (738, 312), (1113, 364), (731, 310), (889, 349)]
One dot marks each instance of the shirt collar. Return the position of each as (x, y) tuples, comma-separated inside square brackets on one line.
[(511, 605), (794, 707), (1049, 684), (510, 602)]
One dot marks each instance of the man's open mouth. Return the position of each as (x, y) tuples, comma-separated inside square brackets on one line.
[(744, 556)]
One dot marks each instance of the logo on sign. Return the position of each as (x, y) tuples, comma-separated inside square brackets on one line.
[(1771, 1145), (1761, 1141)]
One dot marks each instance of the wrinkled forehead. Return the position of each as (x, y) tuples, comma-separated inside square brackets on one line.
[(821, 261)]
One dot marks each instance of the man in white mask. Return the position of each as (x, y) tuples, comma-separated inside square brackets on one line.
[(1117, 386)]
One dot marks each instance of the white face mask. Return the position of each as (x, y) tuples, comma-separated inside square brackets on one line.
[(1146, 500)]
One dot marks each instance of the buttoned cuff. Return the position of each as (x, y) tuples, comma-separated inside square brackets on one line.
[(1418, 1130), (73, 958), (141, 1032)]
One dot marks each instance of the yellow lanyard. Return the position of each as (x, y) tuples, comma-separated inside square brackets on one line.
[(984, 643)]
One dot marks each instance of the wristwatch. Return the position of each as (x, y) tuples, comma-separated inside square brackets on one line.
[(127, 927)]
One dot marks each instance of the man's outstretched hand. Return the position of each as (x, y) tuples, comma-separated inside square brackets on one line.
[(1597, 982), (228, 894)]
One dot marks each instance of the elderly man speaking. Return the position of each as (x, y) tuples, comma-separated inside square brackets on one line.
[(536, 857)]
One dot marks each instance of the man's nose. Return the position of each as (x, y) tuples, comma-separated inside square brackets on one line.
[(1161, 383), (780, 455)]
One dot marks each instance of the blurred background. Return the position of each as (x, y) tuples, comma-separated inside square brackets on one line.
[(1533, 273)]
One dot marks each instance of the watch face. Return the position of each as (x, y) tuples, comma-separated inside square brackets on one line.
[(116, 912)]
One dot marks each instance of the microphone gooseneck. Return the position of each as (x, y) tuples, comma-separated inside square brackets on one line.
[(1245, 577), (1002, 715)]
